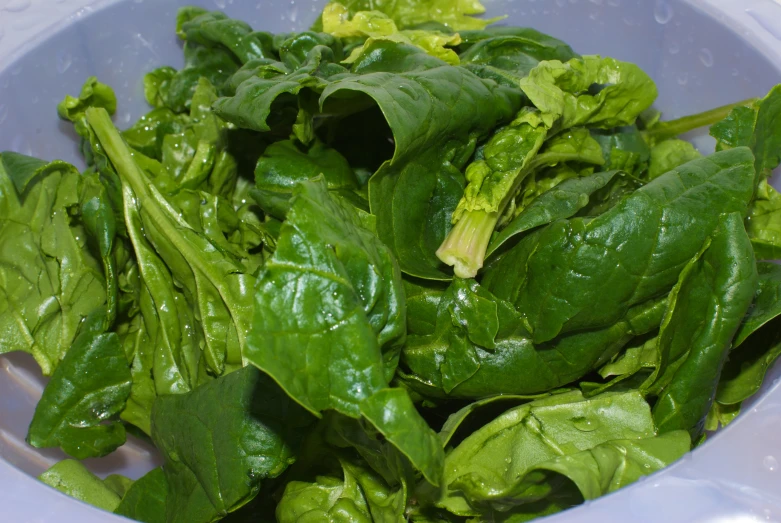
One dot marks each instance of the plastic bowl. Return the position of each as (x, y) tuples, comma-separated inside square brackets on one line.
[(702, 53)]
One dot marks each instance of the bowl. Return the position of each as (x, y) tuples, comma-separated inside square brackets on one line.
[(702, 54)]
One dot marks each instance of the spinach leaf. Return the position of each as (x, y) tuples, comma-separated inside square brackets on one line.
[(88, 389), (488, 468), (756, 345), (249, 430), (215, 281), (457, 14), (51, 279), (145, 500), (631, 253), (624, 149), (71, 477), (509, 54), (562, 92), (374, 25), (755, 126), (350, 317), (714, 294), (561, 202), (481, 347), (414, 194), (764, 222), (284, 164), (669, 155), (562, 95), (215, 29)]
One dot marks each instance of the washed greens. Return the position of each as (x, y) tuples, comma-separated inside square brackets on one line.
[(400, 267)]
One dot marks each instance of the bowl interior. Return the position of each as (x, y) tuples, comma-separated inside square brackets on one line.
[(698, 61)]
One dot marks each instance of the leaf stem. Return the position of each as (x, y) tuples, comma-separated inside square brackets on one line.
[(465, 246), (672, 128)]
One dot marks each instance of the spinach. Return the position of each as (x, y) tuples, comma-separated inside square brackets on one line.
[(641, 246), (51, 279), (255, 274), (88, 388), (145, 500), (71, 477), (348, 292), (250, 429), (713, 295)]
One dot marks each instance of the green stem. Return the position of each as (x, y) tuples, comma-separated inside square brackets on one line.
[(672, 128), (465, 246)]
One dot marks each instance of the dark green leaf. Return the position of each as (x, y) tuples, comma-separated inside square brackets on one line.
[(714, 294), (145, 500), (221, 440)]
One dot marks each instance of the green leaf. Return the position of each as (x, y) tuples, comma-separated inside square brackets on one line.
[(345, 289), (488, 467), (93, 94), (221, 440), (374, 25), (71, 477), (757, 344), (285, 164), (624, 149), (216, 281), (414, 194), (51, 279), (561, 202), (214, 29), (764, 222), (507, 54), (669, 155), (451, 362), (756, 126), (631, 253), (22, 169), (145, 500), (455, 14), (87, 391), (714, 295), (562, 92)]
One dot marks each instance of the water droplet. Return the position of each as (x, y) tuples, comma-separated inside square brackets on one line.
[(706, 57), (508, 460), (683, 78), (64, 61), (770, 463), (16, 6), (674, 48), (221, 3), (585, 425), (663, 12), (293, 14), (768, 514)]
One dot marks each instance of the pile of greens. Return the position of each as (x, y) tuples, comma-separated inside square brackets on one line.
[(257, 274)]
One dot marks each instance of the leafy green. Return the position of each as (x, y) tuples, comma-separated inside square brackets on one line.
[(631, 253), (712, 298), (88, 389), (561, 202), (488, 470), (347, 290), (669, 155), (71, 477), (247, 427), (413, 194), (51, 280), (764, 223), (145, 500), (455, 14)]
